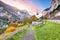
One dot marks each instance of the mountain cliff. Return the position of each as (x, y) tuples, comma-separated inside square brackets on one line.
[(13, 12), (53, 10)]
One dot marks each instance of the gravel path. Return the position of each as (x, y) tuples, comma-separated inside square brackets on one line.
[(29, 35)]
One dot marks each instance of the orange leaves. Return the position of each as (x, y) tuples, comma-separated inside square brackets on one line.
[(10, 29), (46, 16), (33, 18), (13, 24), (16, 24)]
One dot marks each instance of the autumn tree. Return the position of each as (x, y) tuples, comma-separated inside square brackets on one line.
[(33, 18)]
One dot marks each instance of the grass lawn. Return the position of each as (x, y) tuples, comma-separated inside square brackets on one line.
[(49, 31), (19, 35)]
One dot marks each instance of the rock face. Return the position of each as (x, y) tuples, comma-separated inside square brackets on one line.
[(23, 13), (4, 8), (13, 13), (54, 5), (54, 9)]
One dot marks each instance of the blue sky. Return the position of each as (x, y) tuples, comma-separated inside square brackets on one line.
[(42, 4)]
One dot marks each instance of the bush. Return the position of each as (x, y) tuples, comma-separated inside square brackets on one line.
[(19, 35), (20, 25), (13, 24), (10, 29)]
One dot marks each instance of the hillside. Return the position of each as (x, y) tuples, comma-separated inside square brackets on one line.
[(12, 12)]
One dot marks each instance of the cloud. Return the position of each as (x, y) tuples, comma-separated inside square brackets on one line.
[(22, 4)]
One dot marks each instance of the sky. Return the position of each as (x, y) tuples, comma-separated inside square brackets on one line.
[(42, 4), (31, 5)]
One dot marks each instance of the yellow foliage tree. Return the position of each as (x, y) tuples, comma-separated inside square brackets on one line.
[(33, 18)]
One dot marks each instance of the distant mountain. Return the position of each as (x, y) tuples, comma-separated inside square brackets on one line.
[(24, 13), (13, 12), (8, 9), (46, 9)]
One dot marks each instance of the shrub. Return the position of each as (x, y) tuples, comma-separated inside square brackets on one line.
[(20, 25), (13, 24), (10, 29)]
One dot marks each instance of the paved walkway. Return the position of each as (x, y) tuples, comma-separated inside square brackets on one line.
[(29, 35)]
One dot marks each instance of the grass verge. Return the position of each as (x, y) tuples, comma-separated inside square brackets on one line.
[(19, 35), (49, 31)]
